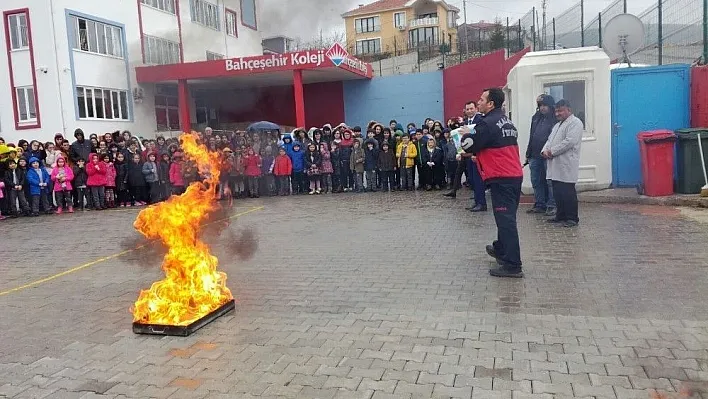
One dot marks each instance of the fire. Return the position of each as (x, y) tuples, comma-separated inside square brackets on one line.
[(192, 286)]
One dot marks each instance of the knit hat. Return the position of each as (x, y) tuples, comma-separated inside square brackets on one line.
[(547, 100)]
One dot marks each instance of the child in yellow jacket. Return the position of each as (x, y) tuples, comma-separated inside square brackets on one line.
[(405, 157)]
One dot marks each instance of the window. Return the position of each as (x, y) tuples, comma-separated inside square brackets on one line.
[(159, 51), (423, 36), (95, 103), (451, 19), (399, 19), (214, 56), (364, 25), (573, 92), (26, 107), (97, 37), (205, 13), (371, 46), (248, 14), (163, 5), (17, 25), (166, 110), (231, 23)]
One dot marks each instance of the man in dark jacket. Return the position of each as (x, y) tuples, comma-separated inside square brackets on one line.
[(81, 148), (494, 142), (471, 117), (541, 125)]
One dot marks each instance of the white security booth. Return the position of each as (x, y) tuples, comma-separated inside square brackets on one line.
[(581, 76)]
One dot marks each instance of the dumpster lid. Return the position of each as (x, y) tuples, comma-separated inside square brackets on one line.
[(692, 133), (656, 135)]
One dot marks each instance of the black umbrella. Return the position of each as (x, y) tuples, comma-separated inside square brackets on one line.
[(263, 125)]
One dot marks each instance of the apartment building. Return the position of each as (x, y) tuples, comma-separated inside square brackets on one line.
[(386, 26), (71, 63)]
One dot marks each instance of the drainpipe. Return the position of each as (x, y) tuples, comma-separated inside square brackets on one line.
[(222, 22), (56, 64)]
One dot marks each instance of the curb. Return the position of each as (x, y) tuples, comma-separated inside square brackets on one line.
[(687, 201)]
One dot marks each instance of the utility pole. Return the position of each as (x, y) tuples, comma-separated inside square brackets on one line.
[(467, 41), (544, 5)]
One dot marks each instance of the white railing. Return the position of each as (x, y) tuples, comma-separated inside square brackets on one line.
[(416, 23)]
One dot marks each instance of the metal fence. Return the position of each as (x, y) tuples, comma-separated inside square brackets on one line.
[(676, 30)]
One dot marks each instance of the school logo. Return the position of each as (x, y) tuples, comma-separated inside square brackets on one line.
[(337, 54)]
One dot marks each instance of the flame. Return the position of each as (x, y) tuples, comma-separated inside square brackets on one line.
[(192, 286)]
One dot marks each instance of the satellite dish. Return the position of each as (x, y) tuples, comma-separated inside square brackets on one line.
[(623, 36)]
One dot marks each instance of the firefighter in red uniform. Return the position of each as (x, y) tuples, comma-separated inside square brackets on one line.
[(494, 142)]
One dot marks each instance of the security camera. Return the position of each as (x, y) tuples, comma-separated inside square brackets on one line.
[(43, 69)]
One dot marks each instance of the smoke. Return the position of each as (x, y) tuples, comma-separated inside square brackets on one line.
[(143, 252), (304, 19), (217, 232)]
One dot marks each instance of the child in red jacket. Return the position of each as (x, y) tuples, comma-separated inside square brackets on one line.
[(176, 177), (110, 181), (96, 170), (252, 163), (282, 169)]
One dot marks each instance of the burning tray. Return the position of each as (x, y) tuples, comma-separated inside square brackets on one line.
[(183, 331)]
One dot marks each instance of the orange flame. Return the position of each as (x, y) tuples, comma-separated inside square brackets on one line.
[(192, 286)]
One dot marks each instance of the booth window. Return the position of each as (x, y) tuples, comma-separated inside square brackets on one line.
[(572, 91)]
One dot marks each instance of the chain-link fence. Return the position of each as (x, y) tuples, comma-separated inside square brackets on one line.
[(676, 31)]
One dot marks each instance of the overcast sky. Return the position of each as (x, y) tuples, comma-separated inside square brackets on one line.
[(305, 18)]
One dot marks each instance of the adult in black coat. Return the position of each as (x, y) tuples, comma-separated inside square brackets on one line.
[(433, 161), (541, 126), (81, 148)]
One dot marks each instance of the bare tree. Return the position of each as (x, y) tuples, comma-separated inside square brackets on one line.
[(322, 41)]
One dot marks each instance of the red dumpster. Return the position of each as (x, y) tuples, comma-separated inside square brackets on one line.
[(656, 149)]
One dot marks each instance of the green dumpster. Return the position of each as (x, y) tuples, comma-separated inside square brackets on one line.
[(690, 172)]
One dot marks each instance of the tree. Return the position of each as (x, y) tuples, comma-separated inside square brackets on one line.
[(497, 37), (322, 41)]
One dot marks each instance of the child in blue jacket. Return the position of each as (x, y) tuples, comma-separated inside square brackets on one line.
[(297, 156), (38, 180)]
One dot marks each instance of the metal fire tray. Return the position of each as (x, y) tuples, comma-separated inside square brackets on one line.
[(183, 331)]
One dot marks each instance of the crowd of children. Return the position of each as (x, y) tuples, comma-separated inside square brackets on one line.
[(119, 170)]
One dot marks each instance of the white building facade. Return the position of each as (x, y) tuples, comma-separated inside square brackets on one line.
[(71, 63)]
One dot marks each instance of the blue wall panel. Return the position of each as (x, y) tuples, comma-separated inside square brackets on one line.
[(405, 98)]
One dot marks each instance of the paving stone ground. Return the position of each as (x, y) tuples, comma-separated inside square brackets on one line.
[(368, 296)]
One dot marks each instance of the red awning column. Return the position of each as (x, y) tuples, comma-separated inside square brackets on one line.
[(299, 98), (183, 103)]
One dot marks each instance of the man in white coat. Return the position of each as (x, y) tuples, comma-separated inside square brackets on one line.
[(562, 150)]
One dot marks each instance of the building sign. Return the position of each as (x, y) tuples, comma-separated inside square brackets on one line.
[(339, 56), (309, 59)]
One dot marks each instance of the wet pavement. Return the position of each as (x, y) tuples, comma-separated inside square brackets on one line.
[(367, 296)]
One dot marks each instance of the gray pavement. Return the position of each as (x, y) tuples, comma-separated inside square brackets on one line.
[(368, 296)]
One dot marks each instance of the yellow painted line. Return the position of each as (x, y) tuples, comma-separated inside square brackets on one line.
[(97, 261)]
